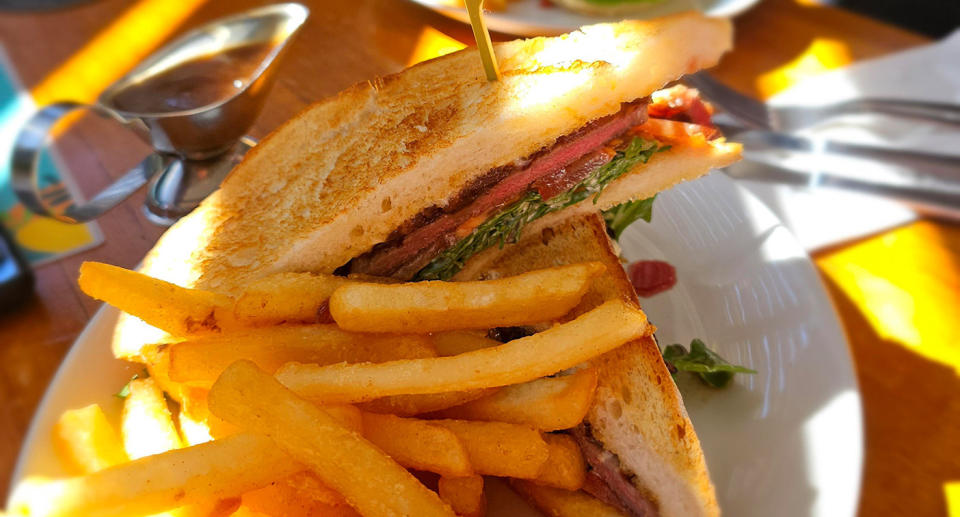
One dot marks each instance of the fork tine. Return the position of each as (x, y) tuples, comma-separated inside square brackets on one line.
[(747, 110)]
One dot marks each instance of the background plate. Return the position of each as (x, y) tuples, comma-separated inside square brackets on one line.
[(530, 18), (785, 442)]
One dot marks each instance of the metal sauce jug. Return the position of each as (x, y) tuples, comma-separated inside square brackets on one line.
[(193, 101)]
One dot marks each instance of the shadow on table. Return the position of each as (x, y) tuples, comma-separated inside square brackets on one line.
[(911, 415)]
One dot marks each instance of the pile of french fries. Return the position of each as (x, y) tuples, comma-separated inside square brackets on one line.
[(313, 394)]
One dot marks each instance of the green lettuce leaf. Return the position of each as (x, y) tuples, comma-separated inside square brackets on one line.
[(505, 226), (624, 214), (707, 364)]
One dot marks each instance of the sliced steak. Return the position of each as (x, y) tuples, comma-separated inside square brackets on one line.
[(607, 481), (567, 162)]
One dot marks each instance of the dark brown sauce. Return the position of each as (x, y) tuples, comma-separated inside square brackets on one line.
[(195, 83)]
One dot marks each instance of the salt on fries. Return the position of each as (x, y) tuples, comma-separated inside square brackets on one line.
[(295, 444), (433, 306), (563, 346), (367, 478)]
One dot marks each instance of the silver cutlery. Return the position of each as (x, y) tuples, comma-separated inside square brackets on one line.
[(919, 162), (756, 114), (930, 198)]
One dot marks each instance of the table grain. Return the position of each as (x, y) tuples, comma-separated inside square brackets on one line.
[(897, 293)]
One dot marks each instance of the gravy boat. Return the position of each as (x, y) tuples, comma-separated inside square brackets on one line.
[(194, 146)]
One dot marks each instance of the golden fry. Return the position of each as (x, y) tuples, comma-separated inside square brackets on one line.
[(563, 346), (464, 495), (456, 342), (194, 409), (287, 298), (300, 495), (565, 468), (557, 502), (347, 416), (410, 405), (500, 449), (549, 404), (177, 310), (215, 470), (198, 362), (369, 480), (86, 442), (434, 306), (418, 444), (147, 426)]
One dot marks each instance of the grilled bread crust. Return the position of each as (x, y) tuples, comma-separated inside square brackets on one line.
[(637, 413)]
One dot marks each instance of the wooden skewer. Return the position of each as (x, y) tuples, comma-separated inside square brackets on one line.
[(480, 33)]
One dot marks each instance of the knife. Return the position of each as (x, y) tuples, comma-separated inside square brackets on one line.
[(931, 198)]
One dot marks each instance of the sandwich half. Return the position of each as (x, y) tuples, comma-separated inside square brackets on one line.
[(644, 456), (412, 174)]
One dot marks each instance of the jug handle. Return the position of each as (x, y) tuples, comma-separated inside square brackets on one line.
[(33, 138)]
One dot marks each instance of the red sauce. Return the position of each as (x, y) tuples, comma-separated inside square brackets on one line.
[(650, 277)]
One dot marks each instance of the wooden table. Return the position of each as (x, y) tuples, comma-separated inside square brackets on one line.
[(898, 293)]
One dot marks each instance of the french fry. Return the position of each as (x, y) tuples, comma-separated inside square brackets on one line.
[(292, 298), (565, 467), (347, 416), (93, 441), (177, 310), (147, 426), (211, 471), (287, 298), (410, 405), (418, 444), (464, 495), (157, 360), (198, 362), (500, 449), (549, 404), (86, 442), (557, 502), (194, 409), (435, 306), (369, 480), (300, 495), (563, 346), (456, 342)]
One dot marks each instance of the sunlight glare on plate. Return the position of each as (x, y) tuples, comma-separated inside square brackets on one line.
[(834, 432)]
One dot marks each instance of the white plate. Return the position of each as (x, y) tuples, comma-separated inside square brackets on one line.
[(785, 442), (529, 18)]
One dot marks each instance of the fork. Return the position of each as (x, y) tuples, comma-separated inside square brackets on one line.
[(756, 114)]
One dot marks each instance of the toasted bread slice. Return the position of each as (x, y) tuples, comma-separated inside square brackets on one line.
[(637, 413)]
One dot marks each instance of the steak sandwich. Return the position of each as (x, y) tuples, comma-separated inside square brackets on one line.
[(433, 173)]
